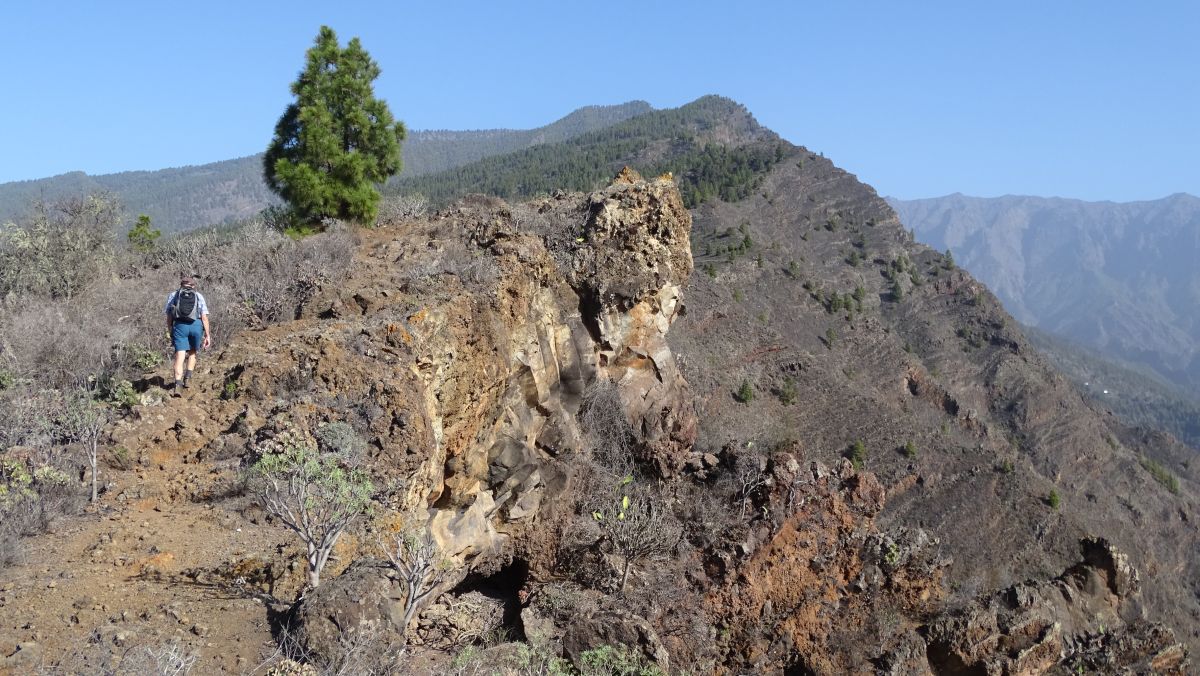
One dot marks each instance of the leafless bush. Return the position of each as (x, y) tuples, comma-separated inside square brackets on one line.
[(606, 429), (168, 659), (751, 478), (185, 253), (367, 648), (395, 209), (105, 332), (471, 265), (82, 421), (271, 278)]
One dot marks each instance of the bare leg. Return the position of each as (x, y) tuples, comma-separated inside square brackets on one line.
[(191, 360), (179, 359)]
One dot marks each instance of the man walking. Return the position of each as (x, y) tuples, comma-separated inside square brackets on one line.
[(187, 324)]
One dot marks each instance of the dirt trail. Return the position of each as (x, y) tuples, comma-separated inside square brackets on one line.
[(147, 565)]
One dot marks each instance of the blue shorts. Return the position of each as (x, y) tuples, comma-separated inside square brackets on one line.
[(187, 335)]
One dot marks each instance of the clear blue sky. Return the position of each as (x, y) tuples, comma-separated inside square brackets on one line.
[(1096, 100)]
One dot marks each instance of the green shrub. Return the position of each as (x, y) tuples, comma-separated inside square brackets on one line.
[(123, 395), (1161, 474), (141, 236), (143, 358), (910, 449), (120, 458), (787, 393), (619, 661), (1053, 500), (857, 453), (310, 493), (745, 393), (831, 337)]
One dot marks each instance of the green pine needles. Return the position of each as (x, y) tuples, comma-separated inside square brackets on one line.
[(336, 143)]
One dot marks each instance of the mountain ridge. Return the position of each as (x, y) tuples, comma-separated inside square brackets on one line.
[(213, 193)]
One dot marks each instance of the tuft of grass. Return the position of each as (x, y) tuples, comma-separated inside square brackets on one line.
[(1161, 474)]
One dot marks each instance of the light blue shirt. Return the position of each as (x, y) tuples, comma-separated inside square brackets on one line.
[(201, 305)]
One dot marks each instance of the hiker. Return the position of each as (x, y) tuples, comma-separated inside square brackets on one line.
[(187, 325)]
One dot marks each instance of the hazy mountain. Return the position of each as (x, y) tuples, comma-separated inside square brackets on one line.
[(1123, 278), (188, 197)]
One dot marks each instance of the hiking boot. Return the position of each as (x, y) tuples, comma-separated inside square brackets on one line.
[(175, 392)]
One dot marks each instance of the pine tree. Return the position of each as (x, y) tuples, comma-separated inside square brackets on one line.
[(336, 142), (141, 236)]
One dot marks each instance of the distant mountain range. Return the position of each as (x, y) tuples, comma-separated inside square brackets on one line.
[(1120, 278), (189, 197)]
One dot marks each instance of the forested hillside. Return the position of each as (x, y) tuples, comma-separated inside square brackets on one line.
[(184, 198), (713, 145)]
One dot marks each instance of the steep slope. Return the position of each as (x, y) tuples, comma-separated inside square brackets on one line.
[(1134, 393), (931, 358), (994, 523), (189, 197), (1120, 278)]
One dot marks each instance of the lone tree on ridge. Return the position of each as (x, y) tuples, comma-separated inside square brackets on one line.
[(336, 142)]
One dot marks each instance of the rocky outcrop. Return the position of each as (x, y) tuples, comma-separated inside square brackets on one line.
[(614, 628), (824, 590), (460, 348), (1084, 619)]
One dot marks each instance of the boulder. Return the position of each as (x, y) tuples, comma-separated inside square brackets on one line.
[(617, 629)]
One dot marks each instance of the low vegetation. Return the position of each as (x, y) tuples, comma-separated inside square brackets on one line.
[(1161, 474), (81, 325)]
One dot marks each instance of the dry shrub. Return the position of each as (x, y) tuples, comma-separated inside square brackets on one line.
[(606, 429), (61, 248), (395, 209), (269, 278)]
